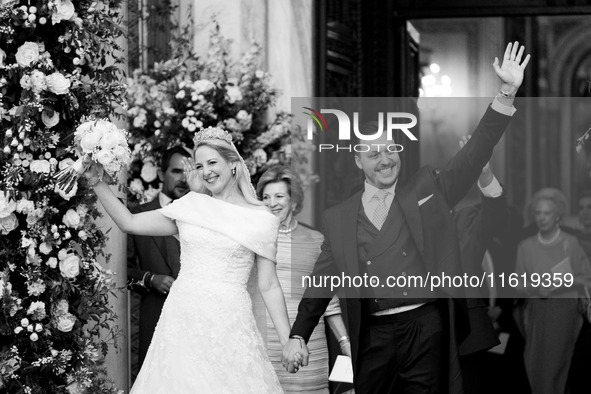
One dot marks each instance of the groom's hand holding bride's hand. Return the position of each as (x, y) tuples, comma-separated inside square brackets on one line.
[(295, 354)]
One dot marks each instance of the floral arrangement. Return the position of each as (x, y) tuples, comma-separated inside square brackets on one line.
[(55, 322), (177, 97)]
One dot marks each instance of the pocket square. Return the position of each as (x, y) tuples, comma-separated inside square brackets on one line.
[(424, 200)]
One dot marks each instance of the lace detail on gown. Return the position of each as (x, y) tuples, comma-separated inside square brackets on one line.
[(206, 340)]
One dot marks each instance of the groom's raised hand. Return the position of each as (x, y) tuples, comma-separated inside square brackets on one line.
[(510, 72), (295, 354)]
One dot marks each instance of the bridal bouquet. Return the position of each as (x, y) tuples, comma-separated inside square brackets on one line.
[(97, 142)]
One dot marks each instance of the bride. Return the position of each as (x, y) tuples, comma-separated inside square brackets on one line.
[(207, 340)]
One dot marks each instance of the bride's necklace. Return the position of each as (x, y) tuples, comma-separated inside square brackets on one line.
[(551, 240), (289, 230)]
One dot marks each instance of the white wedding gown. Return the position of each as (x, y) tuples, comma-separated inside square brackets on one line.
[(206, 340)]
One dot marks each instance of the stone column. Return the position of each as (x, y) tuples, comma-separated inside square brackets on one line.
[(117, 360)]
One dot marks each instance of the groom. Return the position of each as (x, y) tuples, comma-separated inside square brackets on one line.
[(404, 340)]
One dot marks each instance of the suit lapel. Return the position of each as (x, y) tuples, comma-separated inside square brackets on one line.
[(410, 207)]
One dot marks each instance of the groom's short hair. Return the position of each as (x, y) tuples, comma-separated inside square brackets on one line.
[(167, 156)]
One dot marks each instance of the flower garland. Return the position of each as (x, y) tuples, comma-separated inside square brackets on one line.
[(55, 323), (175, 98)]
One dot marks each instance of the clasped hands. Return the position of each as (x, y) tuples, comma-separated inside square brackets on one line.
[(295, 354)]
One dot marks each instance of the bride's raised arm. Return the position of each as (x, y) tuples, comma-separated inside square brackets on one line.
[(143, 223)]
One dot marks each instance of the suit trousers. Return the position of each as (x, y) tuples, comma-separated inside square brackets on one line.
[(404, 353)]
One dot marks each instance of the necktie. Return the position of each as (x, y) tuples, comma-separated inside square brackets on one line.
[(381, 211)]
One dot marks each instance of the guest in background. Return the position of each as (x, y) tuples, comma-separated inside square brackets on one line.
[(297, 250), (551, 321), (477, 224), (153, 262), (578, 381)]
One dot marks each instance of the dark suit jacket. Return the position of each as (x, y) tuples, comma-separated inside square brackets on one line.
[(159, 255), (476, 227), (431, 225)]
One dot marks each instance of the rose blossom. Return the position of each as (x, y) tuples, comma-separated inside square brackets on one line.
[(45, 248), (9, 223), (105, 157), (57, 83), (27, 53), (64, 10), (136, 186), (36, 288), (26, 82), (82, 235), (121, 153), (202, 86), (233, 94), (37, 309), (59, 308), (34, 216), (65, 322), (40, 166), (244, 120), (71, 218), (25, 206), (52, 262), (34, 337), (7, 205), (149, 172), (91, 141), (38, 81), (50, 120), (70, 266)]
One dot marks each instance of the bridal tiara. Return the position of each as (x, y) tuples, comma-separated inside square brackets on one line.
[(212, 133)]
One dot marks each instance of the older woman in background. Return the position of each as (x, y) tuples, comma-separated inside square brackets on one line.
[(551, 320), (298, 248)]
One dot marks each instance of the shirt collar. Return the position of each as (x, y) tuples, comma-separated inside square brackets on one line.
[(371, 190), (164, 199)]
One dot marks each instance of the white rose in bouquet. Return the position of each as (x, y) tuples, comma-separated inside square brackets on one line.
[(104, 157), (27, 54), (8, 223), (50, 119), (112, 168), (71, 219), (136, 186), (70, 266), (57, 83), (7, 205), (40, 166), (122, 153), (64, 11), (91, 141), (65, 322)]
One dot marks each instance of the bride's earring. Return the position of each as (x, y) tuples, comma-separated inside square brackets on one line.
[(234, 171)]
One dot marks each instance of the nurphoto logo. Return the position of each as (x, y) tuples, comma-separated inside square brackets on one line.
[(387, 123)]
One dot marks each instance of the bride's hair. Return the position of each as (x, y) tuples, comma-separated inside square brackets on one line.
[(230, 155)]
